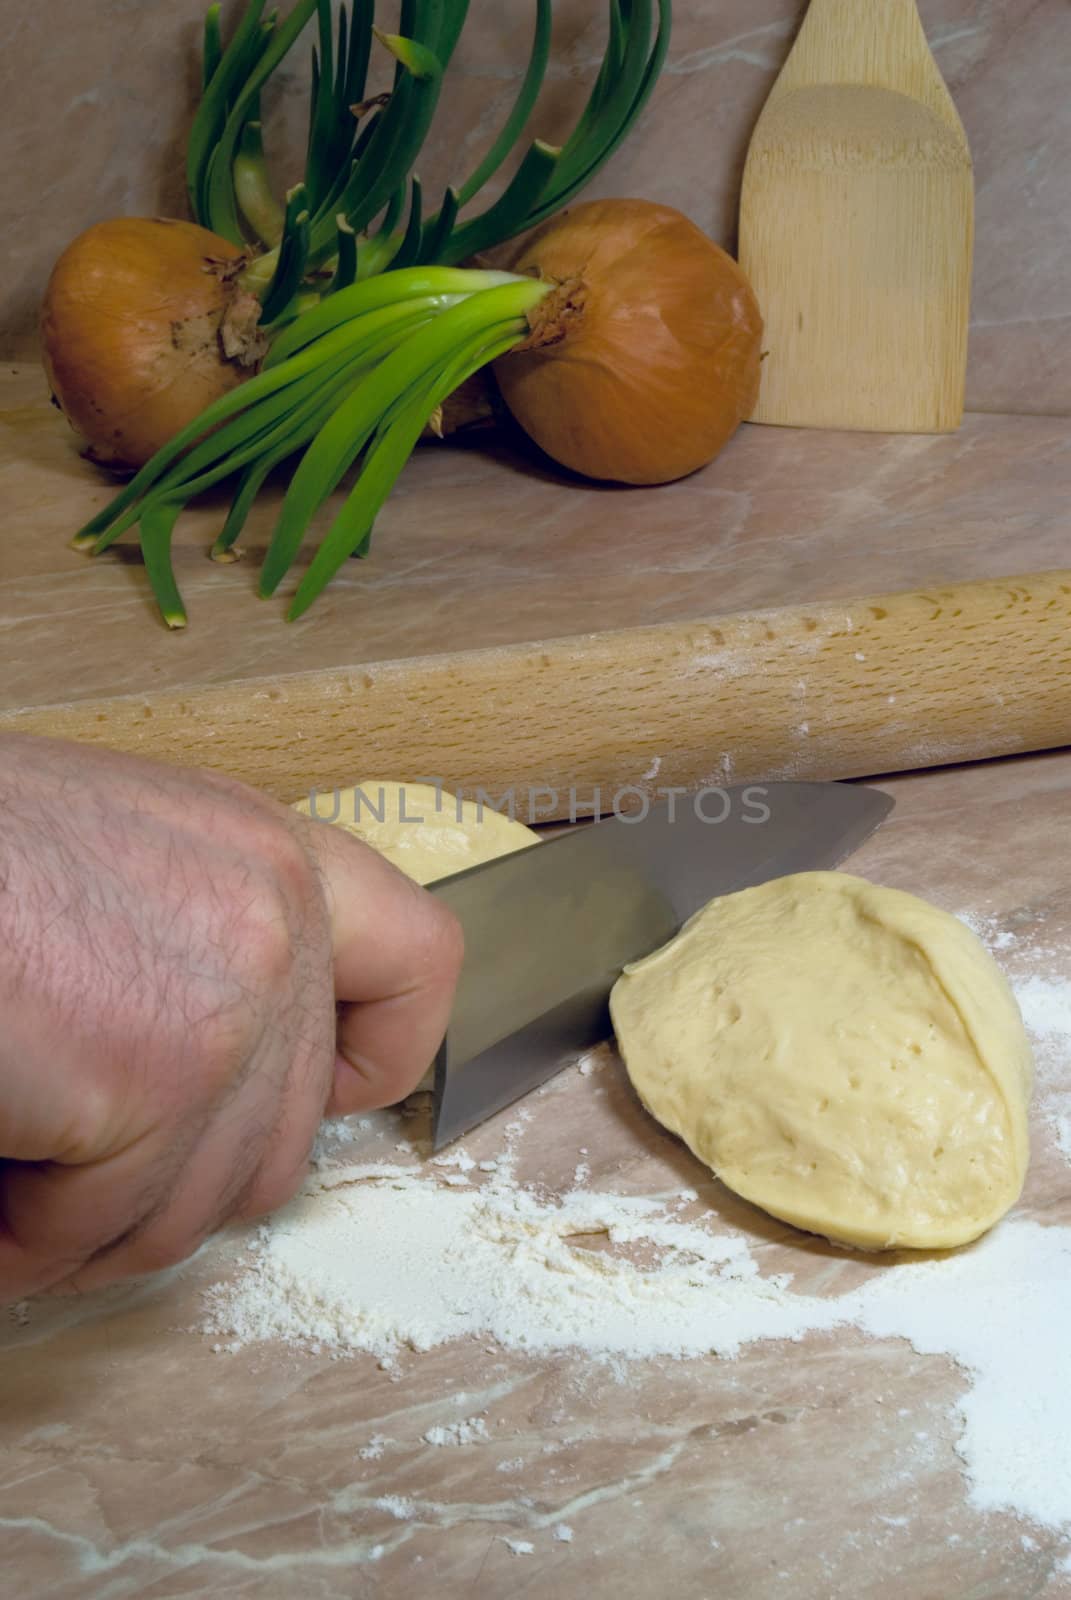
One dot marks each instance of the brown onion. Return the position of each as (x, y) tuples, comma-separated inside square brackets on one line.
[(132, 329), (644, 361)]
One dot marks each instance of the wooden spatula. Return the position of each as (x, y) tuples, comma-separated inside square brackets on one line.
[(856, 227)]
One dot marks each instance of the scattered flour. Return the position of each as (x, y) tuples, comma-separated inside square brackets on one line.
[(397, 1505), (1046, 1007), (1000, 1311), (374, 1448), (988, 930), (373, 1259), (1045, 1003), (455, 1158), (380, 1258), (457, 1433)]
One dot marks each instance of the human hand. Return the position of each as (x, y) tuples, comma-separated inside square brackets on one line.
[(191, 977)]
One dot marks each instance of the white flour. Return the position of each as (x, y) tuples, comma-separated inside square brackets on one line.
[(396, 1505), (457, 1433), (375, 1447), (377, 1258), (1046, 1007), (383, 1258)]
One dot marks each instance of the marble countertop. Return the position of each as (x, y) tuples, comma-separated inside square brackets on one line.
[(138, 1462), (783, 516)]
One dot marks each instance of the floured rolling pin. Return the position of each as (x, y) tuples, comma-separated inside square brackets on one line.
[(841, 689)]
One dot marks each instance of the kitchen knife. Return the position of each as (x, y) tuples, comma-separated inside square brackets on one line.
[(549, 928)]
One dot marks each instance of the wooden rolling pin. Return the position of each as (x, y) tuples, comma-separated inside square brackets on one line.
[(841, 689)]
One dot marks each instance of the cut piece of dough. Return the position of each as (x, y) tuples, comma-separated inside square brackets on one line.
[(425, 831), (846, 1056)]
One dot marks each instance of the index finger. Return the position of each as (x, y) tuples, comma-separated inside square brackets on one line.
[(397, 955)]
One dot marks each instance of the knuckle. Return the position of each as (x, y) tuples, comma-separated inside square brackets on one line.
[(290, 864), (267, 936), (276, 905), (221, 1042), (263, 939)]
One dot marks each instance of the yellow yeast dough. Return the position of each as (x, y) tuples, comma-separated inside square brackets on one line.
[(426, 832), (845, 1056)]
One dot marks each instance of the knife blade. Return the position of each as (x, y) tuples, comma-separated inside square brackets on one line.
[(549, 928)]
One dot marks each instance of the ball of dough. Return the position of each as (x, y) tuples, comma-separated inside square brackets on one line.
[(425, 831), (845, 1056)]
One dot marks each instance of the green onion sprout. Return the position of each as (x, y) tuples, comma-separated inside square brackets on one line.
[(370, 320)]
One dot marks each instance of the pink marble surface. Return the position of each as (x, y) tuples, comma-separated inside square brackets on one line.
[(135, 1462), (96, 107), (480, 549)]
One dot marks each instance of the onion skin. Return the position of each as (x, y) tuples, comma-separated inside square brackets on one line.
[(131, 333), (644, 363)]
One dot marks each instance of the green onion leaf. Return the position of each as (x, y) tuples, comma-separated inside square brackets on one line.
[(510, 212), (409, 283), (266, 382), (394, 444), (513, 127), (293, 254), (360, 50), (586, 157), (320, 167), (211, 114), (452, 22), (212, 48), (304, 426), (400, 131), (342, 439), (346, 260), (437, 231), (157, 522), (252, 188), (415, 57), (220, 192), (408, 251), (394, 209)]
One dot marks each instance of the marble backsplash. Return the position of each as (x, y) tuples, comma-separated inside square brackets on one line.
[(97, 100)]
